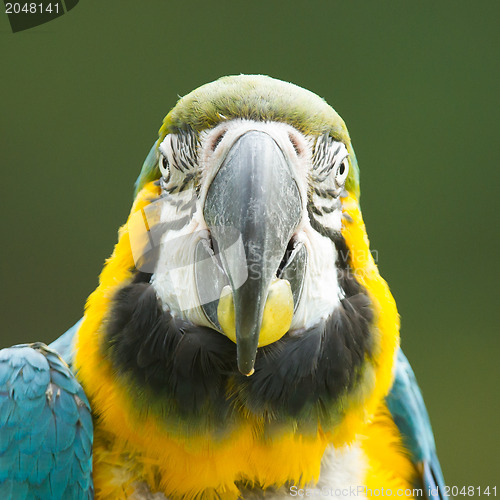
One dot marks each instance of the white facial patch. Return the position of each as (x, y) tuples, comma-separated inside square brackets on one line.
[(321, 291), (174, 277), (294, 146)]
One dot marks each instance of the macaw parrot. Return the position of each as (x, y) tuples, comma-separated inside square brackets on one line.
[(241, 342)]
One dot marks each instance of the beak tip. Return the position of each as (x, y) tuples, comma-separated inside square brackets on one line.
[(246, 367)]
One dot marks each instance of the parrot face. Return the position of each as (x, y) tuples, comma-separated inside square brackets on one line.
[(243, 193), (241, 299)]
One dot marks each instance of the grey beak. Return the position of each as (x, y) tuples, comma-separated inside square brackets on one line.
[(254, 195)]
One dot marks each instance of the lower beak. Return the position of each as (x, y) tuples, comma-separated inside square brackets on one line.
[(255, 197)]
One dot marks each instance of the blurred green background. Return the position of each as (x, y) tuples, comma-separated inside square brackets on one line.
[(417, 83)]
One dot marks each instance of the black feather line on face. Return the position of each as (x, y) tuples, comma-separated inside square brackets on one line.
[(187, 374)]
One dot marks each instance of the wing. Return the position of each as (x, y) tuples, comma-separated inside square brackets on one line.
[(408, 410), (45, 427)]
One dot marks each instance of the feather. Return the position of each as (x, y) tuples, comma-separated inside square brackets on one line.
[(408, 410), (41, 408)]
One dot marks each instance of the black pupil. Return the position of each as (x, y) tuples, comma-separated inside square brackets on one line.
[(341, 169), (164, 162)]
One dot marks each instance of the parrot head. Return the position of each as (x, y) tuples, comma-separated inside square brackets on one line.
[(256, 193), (242, 286)]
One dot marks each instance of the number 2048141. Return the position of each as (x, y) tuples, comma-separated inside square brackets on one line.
[(470, 491), (31, 8)]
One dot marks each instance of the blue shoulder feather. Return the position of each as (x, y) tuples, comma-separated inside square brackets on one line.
[(149, 171), (408, 410), (64, 344), (45, 427)]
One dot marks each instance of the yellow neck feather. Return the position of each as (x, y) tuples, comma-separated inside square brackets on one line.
[(132, 447)]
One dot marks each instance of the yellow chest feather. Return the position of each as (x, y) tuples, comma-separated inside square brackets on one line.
[(207, 471), (198, 468), (131, 448)]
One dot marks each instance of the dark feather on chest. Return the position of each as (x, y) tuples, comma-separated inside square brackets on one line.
[(188, 373)]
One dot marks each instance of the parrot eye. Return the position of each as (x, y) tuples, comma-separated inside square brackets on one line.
[(164, 166), (330, 160), (342, 172)]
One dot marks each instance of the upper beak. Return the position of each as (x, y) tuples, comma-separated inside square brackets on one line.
[(254, 196)]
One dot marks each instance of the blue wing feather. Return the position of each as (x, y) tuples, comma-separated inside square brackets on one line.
[(408, 410), (45, 426)]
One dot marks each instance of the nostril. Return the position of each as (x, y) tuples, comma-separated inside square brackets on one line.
[(288, 253), (214, 247), (295, 144)]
